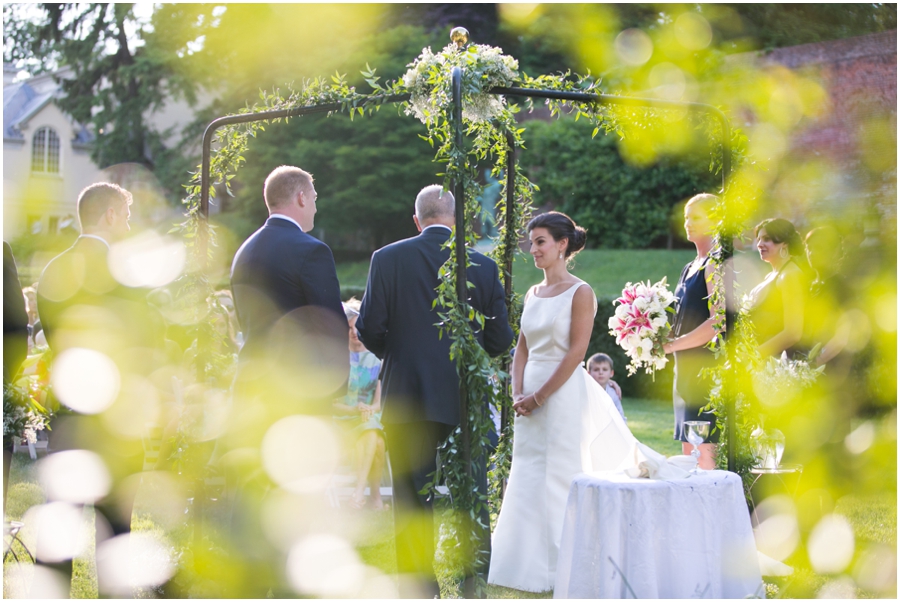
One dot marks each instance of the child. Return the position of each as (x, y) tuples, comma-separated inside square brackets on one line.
[(600, 367), (360, 413)]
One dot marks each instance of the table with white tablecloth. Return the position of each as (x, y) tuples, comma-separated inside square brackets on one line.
[(640, 538)]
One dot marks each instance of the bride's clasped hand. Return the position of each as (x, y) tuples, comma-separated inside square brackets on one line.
[(524, 405)]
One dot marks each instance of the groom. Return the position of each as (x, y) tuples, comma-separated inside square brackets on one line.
[(294, 359), (397, 323), (288, 302)]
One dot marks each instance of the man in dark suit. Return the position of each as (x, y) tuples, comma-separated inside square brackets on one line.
[(83, 307), (419, 382), (294, 359), (15, 340), (288, 302), (15, 318)]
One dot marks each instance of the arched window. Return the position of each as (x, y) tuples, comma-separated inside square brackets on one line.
[(45, 151)]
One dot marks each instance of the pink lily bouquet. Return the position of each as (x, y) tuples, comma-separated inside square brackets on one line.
[(640, 324)]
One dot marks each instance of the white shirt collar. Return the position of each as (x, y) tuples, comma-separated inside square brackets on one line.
[(447, 228), (100, 238), (284, 217)]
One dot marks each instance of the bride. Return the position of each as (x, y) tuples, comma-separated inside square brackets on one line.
[(565, 423)]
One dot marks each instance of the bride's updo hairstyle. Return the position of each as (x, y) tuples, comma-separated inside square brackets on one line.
[(561, 226)]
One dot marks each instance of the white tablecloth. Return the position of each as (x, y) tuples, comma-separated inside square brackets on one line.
[(689, 538)]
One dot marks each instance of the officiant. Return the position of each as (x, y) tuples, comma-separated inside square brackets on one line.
[(397, 323)]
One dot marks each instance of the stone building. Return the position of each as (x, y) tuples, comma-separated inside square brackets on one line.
[(46, 157)]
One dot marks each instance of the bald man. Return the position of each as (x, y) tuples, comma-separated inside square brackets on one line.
[(420, 386)]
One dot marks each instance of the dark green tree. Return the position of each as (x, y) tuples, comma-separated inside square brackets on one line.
[(367, 171), (622, 206), (124, 66), (777, 25)]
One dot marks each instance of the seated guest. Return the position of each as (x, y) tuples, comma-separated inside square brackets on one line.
[(600, 367), (360, 414)]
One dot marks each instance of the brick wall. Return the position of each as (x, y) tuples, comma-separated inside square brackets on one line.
[(860, 75)]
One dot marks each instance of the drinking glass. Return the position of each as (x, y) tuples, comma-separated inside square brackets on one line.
[(696, 433)]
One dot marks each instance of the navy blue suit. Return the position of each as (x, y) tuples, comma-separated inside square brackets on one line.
[(420, 386), (397, 323), (15, 321), (294, 361), (82, 305)]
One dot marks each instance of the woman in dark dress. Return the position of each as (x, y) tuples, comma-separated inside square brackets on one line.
[(694, 327), (777, 303), (829, 295)]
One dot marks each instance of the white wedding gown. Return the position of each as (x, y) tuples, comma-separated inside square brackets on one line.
[(578, 429)]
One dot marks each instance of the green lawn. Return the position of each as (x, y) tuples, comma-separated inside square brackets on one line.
[(606, 270), (874, 520)]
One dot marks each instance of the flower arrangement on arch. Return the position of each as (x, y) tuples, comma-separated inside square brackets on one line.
[(641, 326), (484, 67)]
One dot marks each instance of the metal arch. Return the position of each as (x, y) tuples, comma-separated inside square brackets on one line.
[(726, 172), (635, 102), (456, 82)]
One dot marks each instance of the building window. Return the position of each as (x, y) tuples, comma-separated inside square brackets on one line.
[(45, 151)]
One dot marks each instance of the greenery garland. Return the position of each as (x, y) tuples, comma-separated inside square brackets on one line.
[(27, 405), (736, 352)]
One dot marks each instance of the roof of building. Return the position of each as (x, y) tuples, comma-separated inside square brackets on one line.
[(21, 102)]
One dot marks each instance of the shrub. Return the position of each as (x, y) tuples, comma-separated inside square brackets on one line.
[(622, 206)]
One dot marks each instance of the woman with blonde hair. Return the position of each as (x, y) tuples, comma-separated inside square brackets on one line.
[(694, 327)]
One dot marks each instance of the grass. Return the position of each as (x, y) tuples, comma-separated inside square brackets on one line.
[(606, 270), (874, 521), (651, 422)]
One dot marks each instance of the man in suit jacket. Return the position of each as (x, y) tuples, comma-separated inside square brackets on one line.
[(15, 318), (82, 306), (294, 359), (419, 382), (15, 339), (288, 302)]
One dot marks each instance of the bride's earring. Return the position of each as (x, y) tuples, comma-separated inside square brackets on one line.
[(783, 252), (560, 254)]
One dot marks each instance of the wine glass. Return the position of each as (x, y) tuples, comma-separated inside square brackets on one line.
[(697, 431)]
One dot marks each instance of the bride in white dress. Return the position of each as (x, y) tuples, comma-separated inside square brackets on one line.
[(565, 422)]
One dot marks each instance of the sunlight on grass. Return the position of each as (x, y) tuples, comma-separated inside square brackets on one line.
[(873, 518)]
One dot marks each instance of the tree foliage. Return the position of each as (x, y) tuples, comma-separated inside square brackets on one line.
[(121, 69), (126, 65), (777, 25), (621, 205), (367, 171)]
